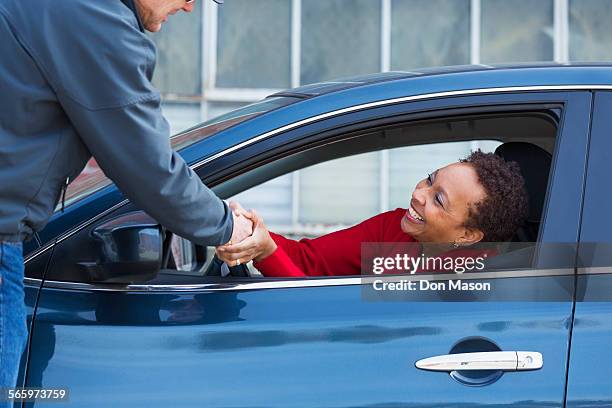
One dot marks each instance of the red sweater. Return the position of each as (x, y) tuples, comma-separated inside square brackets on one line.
[(339, 253)]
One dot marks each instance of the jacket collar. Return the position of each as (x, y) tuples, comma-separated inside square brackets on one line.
[(130, 4)]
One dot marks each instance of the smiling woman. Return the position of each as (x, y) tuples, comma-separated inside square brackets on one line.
[(480, 198), (440, 205)]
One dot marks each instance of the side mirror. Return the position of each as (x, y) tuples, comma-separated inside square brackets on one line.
[(131, 249)]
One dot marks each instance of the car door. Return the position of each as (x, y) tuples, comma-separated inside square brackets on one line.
[(590, 370), (317, 342)]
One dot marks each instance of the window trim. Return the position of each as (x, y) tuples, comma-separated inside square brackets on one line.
[(386, 102), (292, 283)]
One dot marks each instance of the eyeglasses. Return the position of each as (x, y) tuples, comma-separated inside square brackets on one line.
[(192, 1)]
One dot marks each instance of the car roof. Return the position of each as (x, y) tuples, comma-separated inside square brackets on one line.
[(509, 71)]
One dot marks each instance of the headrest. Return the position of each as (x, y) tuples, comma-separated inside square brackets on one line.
[(535, 166)]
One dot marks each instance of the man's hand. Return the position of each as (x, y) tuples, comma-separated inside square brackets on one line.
[(256, 247), (243, 226)]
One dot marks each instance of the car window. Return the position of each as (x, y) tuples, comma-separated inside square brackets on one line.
[(344, 192), (338, 193)]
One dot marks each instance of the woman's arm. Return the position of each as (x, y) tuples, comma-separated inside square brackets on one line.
[(269, 258), (337, 253)]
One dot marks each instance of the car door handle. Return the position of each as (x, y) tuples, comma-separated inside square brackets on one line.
[(490, 360)]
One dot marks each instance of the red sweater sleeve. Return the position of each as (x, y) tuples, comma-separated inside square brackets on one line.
[(337, 253), (279, 264)]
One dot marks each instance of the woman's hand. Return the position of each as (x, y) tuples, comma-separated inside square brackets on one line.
[(256, 247)]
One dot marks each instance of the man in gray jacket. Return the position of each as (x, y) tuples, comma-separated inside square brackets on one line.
[(75, 81)]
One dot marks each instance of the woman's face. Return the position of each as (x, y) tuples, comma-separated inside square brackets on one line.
[(439, 206)]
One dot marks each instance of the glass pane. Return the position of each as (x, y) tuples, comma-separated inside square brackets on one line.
[(590, 30), (91, 179), (409, 165), (225, 115), (179, 53), (517, 31), (340, 38), (254, 44), (428, 33), (181, 115), (342, 191)]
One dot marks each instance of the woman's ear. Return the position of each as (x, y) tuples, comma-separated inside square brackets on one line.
[(470, 236)]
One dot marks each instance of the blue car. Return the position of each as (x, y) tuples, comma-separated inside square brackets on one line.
[(124, 313)]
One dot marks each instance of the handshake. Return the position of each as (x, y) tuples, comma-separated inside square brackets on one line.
[(250, 239)]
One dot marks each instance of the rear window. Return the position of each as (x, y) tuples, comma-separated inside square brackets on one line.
[(92, 178)]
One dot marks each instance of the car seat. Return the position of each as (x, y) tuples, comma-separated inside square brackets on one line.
[(534, 163)]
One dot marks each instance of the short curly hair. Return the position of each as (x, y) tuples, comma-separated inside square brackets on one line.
[(505, 207)]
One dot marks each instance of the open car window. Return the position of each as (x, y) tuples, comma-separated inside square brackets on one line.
[(337, 186)]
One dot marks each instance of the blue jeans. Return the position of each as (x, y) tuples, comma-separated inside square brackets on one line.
[(13, 330)]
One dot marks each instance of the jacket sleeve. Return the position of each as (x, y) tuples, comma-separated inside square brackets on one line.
[(101, 66), (131, 144)]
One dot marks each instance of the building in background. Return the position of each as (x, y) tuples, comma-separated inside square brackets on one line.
[(220, 58)]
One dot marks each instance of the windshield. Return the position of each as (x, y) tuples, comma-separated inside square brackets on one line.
[(92, 178)]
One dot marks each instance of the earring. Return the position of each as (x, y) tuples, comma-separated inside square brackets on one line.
[(455, 244)]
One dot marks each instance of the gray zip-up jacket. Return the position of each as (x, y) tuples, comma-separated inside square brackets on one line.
[(75, 80)]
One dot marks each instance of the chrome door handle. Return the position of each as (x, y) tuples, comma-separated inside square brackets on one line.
[(490, 360)]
